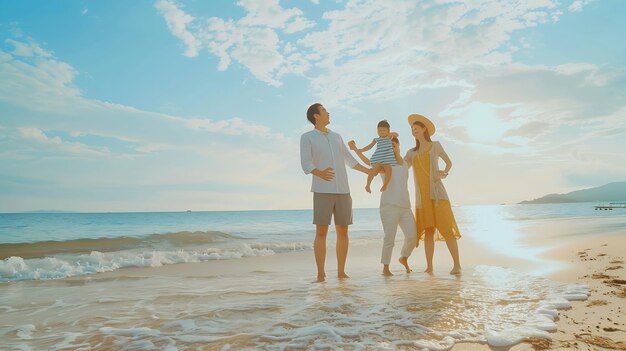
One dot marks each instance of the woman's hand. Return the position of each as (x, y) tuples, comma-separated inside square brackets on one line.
[(396, 148), (443, 174)]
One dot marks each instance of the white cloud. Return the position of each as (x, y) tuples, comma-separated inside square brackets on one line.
[(177, 22), (233, 126), (252, 41), (57, 144), (375, 50), (29, 49), (388, 49), (33, 78), (577, 6), (270, 14), (254, 47), (530, 109), (378, 50)]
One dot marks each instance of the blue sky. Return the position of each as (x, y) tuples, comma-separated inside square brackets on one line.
[(174, 105)]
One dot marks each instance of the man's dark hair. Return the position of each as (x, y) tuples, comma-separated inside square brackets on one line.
[(384, 123), (313, 109)]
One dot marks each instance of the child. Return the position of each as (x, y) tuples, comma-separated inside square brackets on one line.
[(383, 157)]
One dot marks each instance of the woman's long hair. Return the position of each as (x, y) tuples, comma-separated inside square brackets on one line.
[(426, 135)]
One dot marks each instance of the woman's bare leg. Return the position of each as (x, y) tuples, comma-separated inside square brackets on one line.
[(453, 247), (429, 248), (405, 262)]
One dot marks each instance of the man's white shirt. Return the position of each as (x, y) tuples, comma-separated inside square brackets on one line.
[(319, 150)]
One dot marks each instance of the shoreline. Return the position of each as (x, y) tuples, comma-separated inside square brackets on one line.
[(576, 327)]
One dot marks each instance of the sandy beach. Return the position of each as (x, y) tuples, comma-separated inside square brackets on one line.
[(270, 302), (598, 323)]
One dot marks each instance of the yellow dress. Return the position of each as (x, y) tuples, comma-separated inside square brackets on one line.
[(438, 216)]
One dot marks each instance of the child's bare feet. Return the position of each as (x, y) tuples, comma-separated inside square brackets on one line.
[(367, 188), (429, 270), (405, 262), (456, 270), (320, 279), (342, 276)]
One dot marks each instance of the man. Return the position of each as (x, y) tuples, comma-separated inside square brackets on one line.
[(324, 154)]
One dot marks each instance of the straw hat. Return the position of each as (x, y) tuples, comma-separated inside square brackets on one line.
[(430, 126)]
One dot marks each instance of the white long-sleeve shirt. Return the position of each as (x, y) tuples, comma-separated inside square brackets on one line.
[(320, 150)]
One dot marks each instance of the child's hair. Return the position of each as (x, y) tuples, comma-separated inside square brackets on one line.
[(383, 123)]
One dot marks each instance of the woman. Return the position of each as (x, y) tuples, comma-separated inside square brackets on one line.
[(433, 213), (395, 209)]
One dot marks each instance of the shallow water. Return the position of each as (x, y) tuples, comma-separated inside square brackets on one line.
[(279, 311)]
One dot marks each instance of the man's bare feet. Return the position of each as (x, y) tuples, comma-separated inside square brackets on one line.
[(405, 262), (456, 270), (367, 188), (342, 276)]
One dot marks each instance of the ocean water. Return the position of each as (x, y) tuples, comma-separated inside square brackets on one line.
[(56, 245), (261, 309)]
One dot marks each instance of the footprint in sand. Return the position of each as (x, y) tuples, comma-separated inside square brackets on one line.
[(601, 341), (616, 282), (597, 303), (601, 276)]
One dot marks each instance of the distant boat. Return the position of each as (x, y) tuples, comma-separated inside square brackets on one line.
[(610, 206), (188, 210)]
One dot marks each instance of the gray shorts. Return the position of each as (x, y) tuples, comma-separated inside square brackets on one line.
[(326, 206)]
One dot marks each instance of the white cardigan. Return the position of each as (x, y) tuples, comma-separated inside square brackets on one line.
[(437, 190)]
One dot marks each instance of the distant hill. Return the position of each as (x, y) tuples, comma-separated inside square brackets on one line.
[(609, 192)]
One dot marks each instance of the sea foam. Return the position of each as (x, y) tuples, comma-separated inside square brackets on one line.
[(62, 266)]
